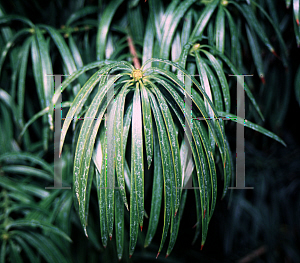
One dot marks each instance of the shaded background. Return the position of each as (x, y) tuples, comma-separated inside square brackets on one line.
[(260, 225)]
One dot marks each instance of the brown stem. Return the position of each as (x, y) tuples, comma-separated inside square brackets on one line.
[(254, 254), (132, 50)]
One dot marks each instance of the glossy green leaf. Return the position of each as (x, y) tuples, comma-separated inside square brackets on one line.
[(256, 54), (147, 121), (118, 138), (166, 164), (252, 126), (103, 28), (157, 188), (34, 223), (220, 29), (10, 43), (203, 20), (22, 78), (296, 11), (87, 10), (119, 223), (85, 145), (170, 27), (137, 153), (174, 147), (29, 253), (15, 257)]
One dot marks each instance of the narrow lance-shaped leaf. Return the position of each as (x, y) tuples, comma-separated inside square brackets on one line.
[(148, 42), (137, 153), (203, 20), (296, 11), (103, 28), (147, 121), (174, 147), (220, 29), (82, 96), (134, 217), (47, 71), (119, 223), (166, 164), (252, 126), (119, 145), (22, 78), (157, 188), (256, 54), (85, 147), (99, 160), (170, 27)]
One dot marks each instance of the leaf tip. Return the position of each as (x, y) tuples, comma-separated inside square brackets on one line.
[(274, 53), (141, 228), (110, 237), (297, 21), (201, 247), (167, 255), (204, 213), (157, 255), (262, 78)]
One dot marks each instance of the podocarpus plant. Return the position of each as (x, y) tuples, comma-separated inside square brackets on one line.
[(136, 114)]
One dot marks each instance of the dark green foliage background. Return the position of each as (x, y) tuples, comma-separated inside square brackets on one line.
[(245, 220)]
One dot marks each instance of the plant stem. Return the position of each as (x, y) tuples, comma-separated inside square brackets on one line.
[(132, 50)]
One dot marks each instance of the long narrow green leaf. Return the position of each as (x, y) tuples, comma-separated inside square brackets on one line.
[(10, 43), (234, 39), (135, 22), (174, 147), (137, 153), (156, 15), (236, 72), (256, 54), (7, 18), (119, 223), (148, 42), (22, 78), (250, 17), (166, 164), (119, 147), (194, 143), (220, 73), (220, 29), (85, 144), (15, 256), (34, 223), (87, 10), (110, 162), (134, 216), (170, 27), (3, 251), (103, 28), (46, 66), (296, 11), (203, 20), (62, 48), (147, 121), (99, 160), (29, 253), (186, 29), (157, 188), (252, 126)]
